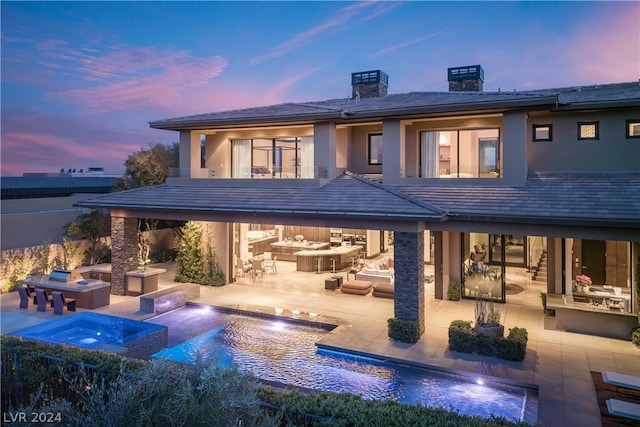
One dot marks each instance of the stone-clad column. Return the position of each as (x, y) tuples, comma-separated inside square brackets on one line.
[(408, 264), (124, 251)]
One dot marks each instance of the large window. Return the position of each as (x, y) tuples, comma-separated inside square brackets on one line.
[(460, 154), (272, 158), (375, 149)]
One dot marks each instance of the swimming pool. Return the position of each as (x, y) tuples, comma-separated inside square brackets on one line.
[(274, 349), (100, 332)]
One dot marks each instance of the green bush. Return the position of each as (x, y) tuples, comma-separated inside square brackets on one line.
[(454, 292), (167, 393), (405, 330), (463, 338), (342, 409), (25, 361), (635, 336)]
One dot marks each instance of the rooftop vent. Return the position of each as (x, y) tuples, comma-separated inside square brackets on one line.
[(466, 79), (369, 84)]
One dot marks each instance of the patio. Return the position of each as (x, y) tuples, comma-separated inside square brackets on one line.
[(559, 363)]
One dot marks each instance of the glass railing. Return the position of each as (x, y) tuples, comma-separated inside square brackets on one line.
[(313, 172), (414, 171)]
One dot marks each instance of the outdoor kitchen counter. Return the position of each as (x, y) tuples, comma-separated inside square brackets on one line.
[(584, 318), (88, 293), (143, 280), (342, 256)]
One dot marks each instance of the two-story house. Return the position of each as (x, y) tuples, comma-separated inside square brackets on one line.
[(469, 182)]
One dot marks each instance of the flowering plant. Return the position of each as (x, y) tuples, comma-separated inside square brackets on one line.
[(583, 279), (299, 237)]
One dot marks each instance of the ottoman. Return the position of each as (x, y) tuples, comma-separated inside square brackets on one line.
[(331, 284), (383, 290), (356, 287)]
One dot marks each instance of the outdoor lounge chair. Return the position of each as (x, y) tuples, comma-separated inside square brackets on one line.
[(42, 299), (23, 291), (59, 301)]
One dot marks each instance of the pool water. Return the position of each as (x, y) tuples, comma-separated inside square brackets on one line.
[(274, 349), (89, 330)]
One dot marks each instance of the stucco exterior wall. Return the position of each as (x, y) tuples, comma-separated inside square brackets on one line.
[(565, 153), (32, 222), (358, 155)]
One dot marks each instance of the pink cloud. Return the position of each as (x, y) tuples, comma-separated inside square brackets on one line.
[(610, 51), (49, 142), (141, 78)]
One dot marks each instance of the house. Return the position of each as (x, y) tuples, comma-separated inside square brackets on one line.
[(466, 182)]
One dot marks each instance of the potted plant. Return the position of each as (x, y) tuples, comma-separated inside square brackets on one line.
[(584, 282), (487, 317)]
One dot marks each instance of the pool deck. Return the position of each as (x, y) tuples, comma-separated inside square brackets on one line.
[(559, 363)]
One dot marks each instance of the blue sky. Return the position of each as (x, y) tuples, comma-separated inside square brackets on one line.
[(81, 80)]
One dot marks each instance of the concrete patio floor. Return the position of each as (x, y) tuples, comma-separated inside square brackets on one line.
[(559, 363)]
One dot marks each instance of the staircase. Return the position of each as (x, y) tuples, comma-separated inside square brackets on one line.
[(540, 272)]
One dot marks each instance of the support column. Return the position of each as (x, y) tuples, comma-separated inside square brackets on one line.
[(124, 251), (408, 265), (189, 154), (393, 151), (324, 150)]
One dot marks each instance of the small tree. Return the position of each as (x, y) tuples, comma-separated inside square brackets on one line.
[(70, 254), (213, 276), (44, 264), (189, 261), (148, 166), (94, 226)]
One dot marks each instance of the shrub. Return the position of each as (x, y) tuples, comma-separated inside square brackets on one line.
[(343, 409), (547, 311), (33, 364), (464, 339), (635, 336), (405, 330), (454, 292)]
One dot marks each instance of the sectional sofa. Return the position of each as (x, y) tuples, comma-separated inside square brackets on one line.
[(380, 272)]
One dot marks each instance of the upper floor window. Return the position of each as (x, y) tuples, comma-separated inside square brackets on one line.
[(375, 149), (272, 158), (633, 128), (588, 130), (542, 133), (460, 154)]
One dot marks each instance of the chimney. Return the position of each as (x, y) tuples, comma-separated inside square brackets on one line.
[(369, 84), (466, 79)]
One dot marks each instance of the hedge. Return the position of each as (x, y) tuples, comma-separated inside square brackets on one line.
[(463, 338)]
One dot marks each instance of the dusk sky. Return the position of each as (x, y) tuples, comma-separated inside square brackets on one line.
[(81, 80)]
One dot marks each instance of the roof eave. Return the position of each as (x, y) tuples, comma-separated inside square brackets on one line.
[(347, 116)]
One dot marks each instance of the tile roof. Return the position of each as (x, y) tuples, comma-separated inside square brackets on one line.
[(555, 198), (608, 199), (349, 195), (414, 103)]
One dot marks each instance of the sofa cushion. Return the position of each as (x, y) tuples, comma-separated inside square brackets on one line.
[(358, 287), (383, 290), (370, 270)]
